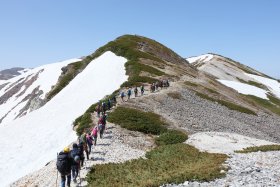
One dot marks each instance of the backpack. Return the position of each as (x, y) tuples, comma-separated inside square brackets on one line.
[(129, 92), (94, 132), (75, 155), (81, 150), (63, 163), (89, 140), (122, 94)]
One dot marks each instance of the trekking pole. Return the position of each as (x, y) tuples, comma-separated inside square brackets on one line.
[(56, 178), (56, 174), (80, 177)]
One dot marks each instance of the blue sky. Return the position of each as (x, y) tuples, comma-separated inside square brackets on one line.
[(34, 33)]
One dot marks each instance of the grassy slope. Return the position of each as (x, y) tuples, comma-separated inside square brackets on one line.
[(126, 46), (273, 104), (172, 162)]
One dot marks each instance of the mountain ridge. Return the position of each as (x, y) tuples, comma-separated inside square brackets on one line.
[(195, 102)]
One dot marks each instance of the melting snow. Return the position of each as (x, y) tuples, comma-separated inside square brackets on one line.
[(201, 58), (28, 143), (272, 85), (245, 88), (46, 79)]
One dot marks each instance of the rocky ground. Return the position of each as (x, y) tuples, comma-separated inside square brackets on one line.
[(118, 145), (192, 114), (257, 169)]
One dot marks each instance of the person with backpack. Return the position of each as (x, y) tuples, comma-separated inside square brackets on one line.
[(81, 153), (98, 109), (109, 104), (63, 165), (122, 95), (103, 107), (128, 93), (94, 134), (142, 90), (75, 155), (84, 140), (136, 91), (100, 126), (89, 142)]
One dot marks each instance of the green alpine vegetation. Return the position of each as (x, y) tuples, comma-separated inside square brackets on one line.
[(136, 120), (273, 104), (263, 148), (171, 137), (128, 46), (170, 162), (174, 163), (174, 95)]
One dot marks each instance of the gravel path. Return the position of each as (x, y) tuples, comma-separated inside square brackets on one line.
[(118, 145)]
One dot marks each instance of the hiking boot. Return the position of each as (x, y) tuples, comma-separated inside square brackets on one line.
[(75, 180)]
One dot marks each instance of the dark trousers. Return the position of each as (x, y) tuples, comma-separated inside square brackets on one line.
[(89, 148), (75, 171), (63, 180)]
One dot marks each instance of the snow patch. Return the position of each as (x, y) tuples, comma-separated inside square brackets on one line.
[(245, 88), (48, 76), (221, 142), (37, 137), (201, 58), (272, 85)]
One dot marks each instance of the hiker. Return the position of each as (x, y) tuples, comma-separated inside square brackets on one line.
[(63, 165), (75, 162), (136, 91), (98, 110), (152, 87), (83, 140), (103, 107), (109, 104), (100, 126), (142, 90), (128, 93), (122, 95), (156, 86), (89, 142), (94, 134), (81, 153)]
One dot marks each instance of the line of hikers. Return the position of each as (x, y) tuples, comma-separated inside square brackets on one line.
[(71, 161), (153, 87), (159, 84)]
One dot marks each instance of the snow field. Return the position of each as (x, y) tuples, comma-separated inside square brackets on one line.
[(38, 136), (245, 88), (48, 76)]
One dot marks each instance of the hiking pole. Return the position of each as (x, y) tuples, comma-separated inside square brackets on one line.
[(56, 178), (56, 174), (80, 177)]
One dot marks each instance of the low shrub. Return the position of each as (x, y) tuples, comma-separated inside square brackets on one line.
[(175, 95), (84, 123), (263, 148), (174, 163), (171, 137), (136, 120)]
